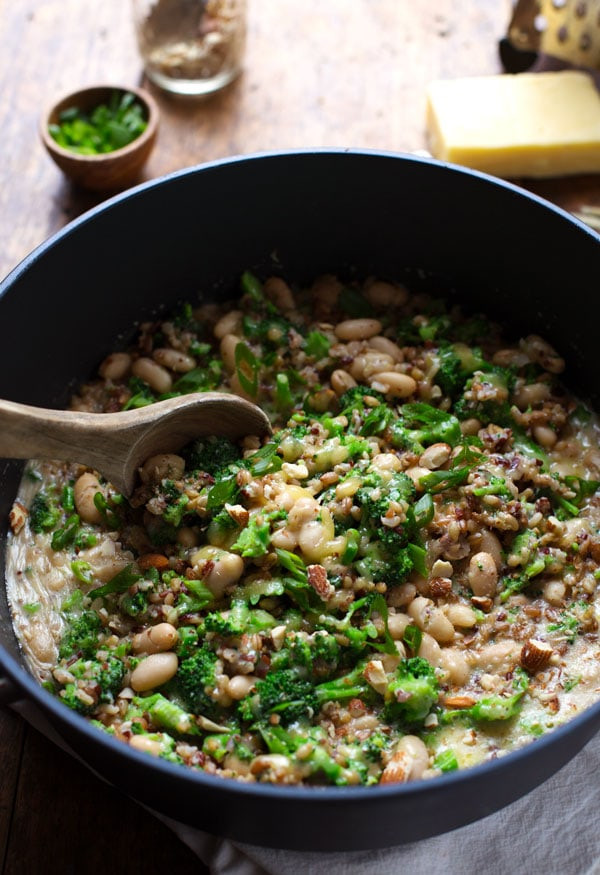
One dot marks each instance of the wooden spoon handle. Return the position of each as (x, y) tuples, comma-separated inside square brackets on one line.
[(115, 444), (37, 433)]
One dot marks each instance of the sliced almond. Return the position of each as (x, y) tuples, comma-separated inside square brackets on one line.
[(317, 578), (459, 701), (535, 655)]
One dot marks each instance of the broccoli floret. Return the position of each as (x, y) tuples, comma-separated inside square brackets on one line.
[(497, 409), (376, 744), (221, 528), (317, 655), (195, 677), (353, 399), (326, 653), (427, 425), (210, 454), (167, 715), (136, 604), (99, 679), (494, 708), (240, 620), (44, 513), (386, 561), (286, 742), (81, 635), (352, 685), (457, 363), (282, 692), (254, 538), (375, 495), (413, 691)]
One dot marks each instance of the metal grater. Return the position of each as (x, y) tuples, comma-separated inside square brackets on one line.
[(565, 29)]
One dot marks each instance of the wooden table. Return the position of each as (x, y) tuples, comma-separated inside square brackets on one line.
[(335, 73)]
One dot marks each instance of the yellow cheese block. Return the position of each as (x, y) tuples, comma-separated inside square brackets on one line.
[(531, 124)]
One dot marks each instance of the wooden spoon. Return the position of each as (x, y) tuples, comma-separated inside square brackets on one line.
[(116, 444)]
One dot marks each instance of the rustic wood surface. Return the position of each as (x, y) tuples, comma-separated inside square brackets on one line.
[(340, 73)]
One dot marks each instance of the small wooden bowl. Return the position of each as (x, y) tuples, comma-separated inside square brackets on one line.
[(112, 170)]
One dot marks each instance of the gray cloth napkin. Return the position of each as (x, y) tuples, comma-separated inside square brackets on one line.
[(555, 830)]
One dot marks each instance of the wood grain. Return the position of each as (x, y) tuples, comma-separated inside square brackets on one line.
[(345, 73), (68, 822)]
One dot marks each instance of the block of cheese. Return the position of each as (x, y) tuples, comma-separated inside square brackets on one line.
[(529, 124)]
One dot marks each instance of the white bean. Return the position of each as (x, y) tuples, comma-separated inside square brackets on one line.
[(228, 347), (146, 745), (156, 639), (115, 366), (279, 292), (162, 466), (153, 671), (84, 490), (240, 685), (461, 615), (387, 346), (341, 381), (545, 436), (382, 294), (483, 574), (157, 377), (225, 570), (357, 329), (435, 456), (496, 658), (454, 663), (431, 619), (397, 624), (174, 359), (230, 323), (393, 383)]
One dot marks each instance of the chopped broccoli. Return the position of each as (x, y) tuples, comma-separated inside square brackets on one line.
[(283, 692), (99, 679), (253, 540), (422, 424), (352, 685), (44, 513), (239, 621), (457, 363), (376, 495), (286, 742), (195, 678), (413, 691), (81, 635), (318, 655), (353, 399), (167, 715), (494, 707), (210, 454)]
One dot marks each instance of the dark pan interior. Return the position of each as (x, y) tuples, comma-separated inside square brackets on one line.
[(356, 214)]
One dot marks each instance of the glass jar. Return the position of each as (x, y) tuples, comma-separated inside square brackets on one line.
[(191, 46)]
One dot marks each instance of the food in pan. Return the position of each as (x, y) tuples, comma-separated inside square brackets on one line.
[(399, 582)]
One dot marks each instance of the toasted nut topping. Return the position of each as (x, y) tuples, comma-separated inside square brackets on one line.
[(484, 603), (238, 514), (17, 517), (459, 701), (535, 655), (317, 578), (375, 675), (440, 587), (153, 560), (397, 770)]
